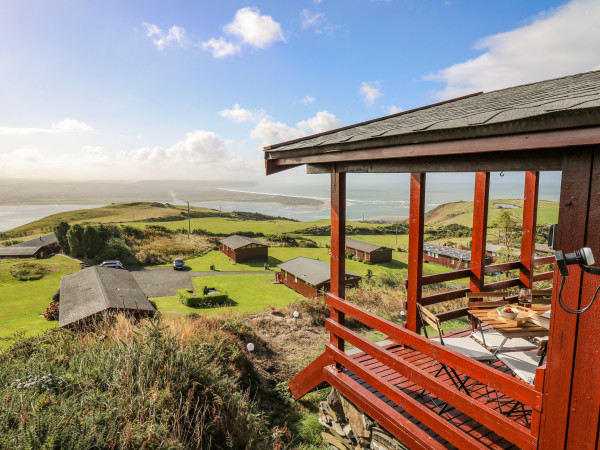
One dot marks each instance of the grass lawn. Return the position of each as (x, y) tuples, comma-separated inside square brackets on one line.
[(248, 294), (23, 301)]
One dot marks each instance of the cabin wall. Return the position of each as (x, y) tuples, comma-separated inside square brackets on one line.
[(246, 253), (374, 257), (298, 285), (445, 261)]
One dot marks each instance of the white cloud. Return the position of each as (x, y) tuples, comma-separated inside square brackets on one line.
[(254, 29), (558, 42), (240, 115), (309, 19), (307, 100), (322, 121), (64, 126), (220, 47), (370, 91), (161, 39), (394, 109)]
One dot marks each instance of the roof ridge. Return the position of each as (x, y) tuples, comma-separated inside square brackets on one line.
[(573, 75), (102, 287)]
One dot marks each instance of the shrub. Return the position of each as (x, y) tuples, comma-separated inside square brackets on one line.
[(188, 298), (316, 308), (26, 271), (52, 311)]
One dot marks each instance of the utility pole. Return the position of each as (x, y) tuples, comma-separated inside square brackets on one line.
[(189, 223), (396, 234)]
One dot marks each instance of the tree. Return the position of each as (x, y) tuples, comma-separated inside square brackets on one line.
[(60, 231), (507, 226), (74, 237)]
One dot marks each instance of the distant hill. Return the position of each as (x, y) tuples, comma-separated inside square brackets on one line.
[(462, 212)]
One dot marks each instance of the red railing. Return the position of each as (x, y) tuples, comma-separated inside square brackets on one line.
[(400, 426)]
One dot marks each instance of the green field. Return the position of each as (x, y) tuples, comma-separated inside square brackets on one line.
[(23, 301), (249, 294)]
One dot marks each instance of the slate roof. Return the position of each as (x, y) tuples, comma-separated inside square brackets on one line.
[(234, 242), (558, 103), (311, 271), (97, 289), (464, 255), (38, 242), (363, 246), (18, 251)]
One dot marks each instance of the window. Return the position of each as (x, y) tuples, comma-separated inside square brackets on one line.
[(295, 279)]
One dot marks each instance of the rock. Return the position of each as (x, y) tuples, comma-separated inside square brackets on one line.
[(382, 440), (334, 403), (334, 441), (355, 418)]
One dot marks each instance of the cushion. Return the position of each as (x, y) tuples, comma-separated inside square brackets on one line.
[(493, 339), (467, 347)]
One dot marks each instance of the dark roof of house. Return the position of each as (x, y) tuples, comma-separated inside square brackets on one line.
[(363, 246), (565, 102), (311, 271), (451, 252), (38, 242), (234, 242), (18, 251), (97, 289)]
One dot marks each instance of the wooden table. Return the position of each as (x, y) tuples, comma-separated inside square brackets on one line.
[(527, 330)]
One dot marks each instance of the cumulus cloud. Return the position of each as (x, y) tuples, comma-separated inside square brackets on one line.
[(240, 115), (269, 132), (249, 27), (370, 90), (558, 42), (307, 100), (64, 126), (394, 109), (175, 35)]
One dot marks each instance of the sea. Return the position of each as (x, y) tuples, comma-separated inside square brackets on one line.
[(369, 196)]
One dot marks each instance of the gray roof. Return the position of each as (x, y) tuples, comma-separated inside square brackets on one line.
[(311, 271), (38, 242), (574, 99), (18, 251), (234, 242), (363, 246), (96, 289), (464, 255)]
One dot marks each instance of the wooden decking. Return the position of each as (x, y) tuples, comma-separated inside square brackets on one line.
[(456, 418)]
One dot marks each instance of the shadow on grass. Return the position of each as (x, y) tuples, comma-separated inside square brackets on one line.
[(393, 264), (227, 303)]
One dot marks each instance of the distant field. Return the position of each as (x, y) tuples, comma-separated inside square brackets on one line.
[(22, 301), (249, 293)]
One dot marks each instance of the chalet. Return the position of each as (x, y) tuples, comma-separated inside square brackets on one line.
[(41, 247), (241, 248), (97, 290), (369, 252), (446, 256), (310, 276), (405, 385)]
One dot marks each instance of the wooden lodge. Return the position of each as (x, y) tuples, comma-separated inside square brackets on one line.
[(366, 251), (41, 247), (242, 248), (443, 255), (551, 125), (309, 276)]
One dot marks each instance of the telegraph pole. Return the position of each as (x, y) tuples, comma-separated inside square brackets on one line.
[(189, 223)]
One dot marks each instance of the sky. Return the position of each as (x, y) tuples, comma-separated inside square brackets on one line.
[(130, 90)]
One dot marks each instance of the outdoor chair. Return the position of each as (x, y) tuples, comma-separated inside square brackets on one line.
[(463, 345)]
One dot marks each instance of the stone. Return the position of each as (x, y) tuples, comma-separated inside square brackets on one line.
[(334, 403), (382, 440), (334, 441), (356, 420)]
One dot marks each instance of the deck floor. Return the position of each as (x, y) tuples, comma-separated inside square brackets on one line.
[(467, 424)]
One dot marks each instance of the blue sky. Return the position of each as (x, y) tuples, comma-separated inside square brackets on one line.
[(194, 89)]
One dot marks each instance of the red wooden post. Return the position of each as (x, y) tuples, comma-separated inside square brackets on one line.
[(479, 236), (415, 248), (530, 201), (338, 246), (573, 211)]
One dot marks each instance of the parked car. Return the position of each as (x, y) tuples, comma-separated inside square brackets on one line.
[(179, 264), (113, 264)]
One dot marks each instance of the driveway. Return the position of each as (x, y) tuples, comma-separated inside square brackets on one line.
[(164, 281)]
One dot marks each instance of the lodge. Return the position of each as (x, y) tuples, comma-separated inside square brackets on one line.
[(242, 248), (407, 385), (309, 276), (41, 247), (368, 252), (443, 255)]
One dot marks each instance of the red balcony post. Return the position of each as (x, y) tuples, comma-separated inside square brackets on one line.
[(415, 248), (479, 236), (338, 246), (530, 201)]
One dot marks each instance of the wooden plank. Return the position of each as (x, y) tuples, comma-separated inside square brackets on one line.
[(271, 167), (573, 210), (479, 235), (530, 202), (415, 248), (448, 393), (544, 260), (452, 314), (479, 145), (536, 416), (543, 276), (501, 285), (476, 370), (585, 392), (420, 412), (310, 377), (443, 277), (503, 267), (338, 246), (489, 294), (390, 419), (443, 297)]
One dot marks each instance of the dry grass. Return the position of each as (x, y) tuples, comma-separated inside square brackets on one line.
[(163, 249)]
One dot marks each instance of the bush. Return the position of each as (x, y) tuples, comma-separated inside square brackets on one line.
[(27, 271), (52, 311), (188, 298)]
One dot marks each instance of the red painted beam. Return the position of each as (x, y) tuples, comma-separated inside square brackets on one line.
[(310, 377), (415, 248), (530, 202), (479, 236), (338, 246)]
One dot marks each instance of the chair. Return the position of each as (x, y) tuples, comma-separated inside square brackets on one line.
[(465, 346)]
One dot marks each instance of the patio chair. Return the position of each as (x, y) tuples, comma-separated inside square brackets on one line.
[(463, 345)]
